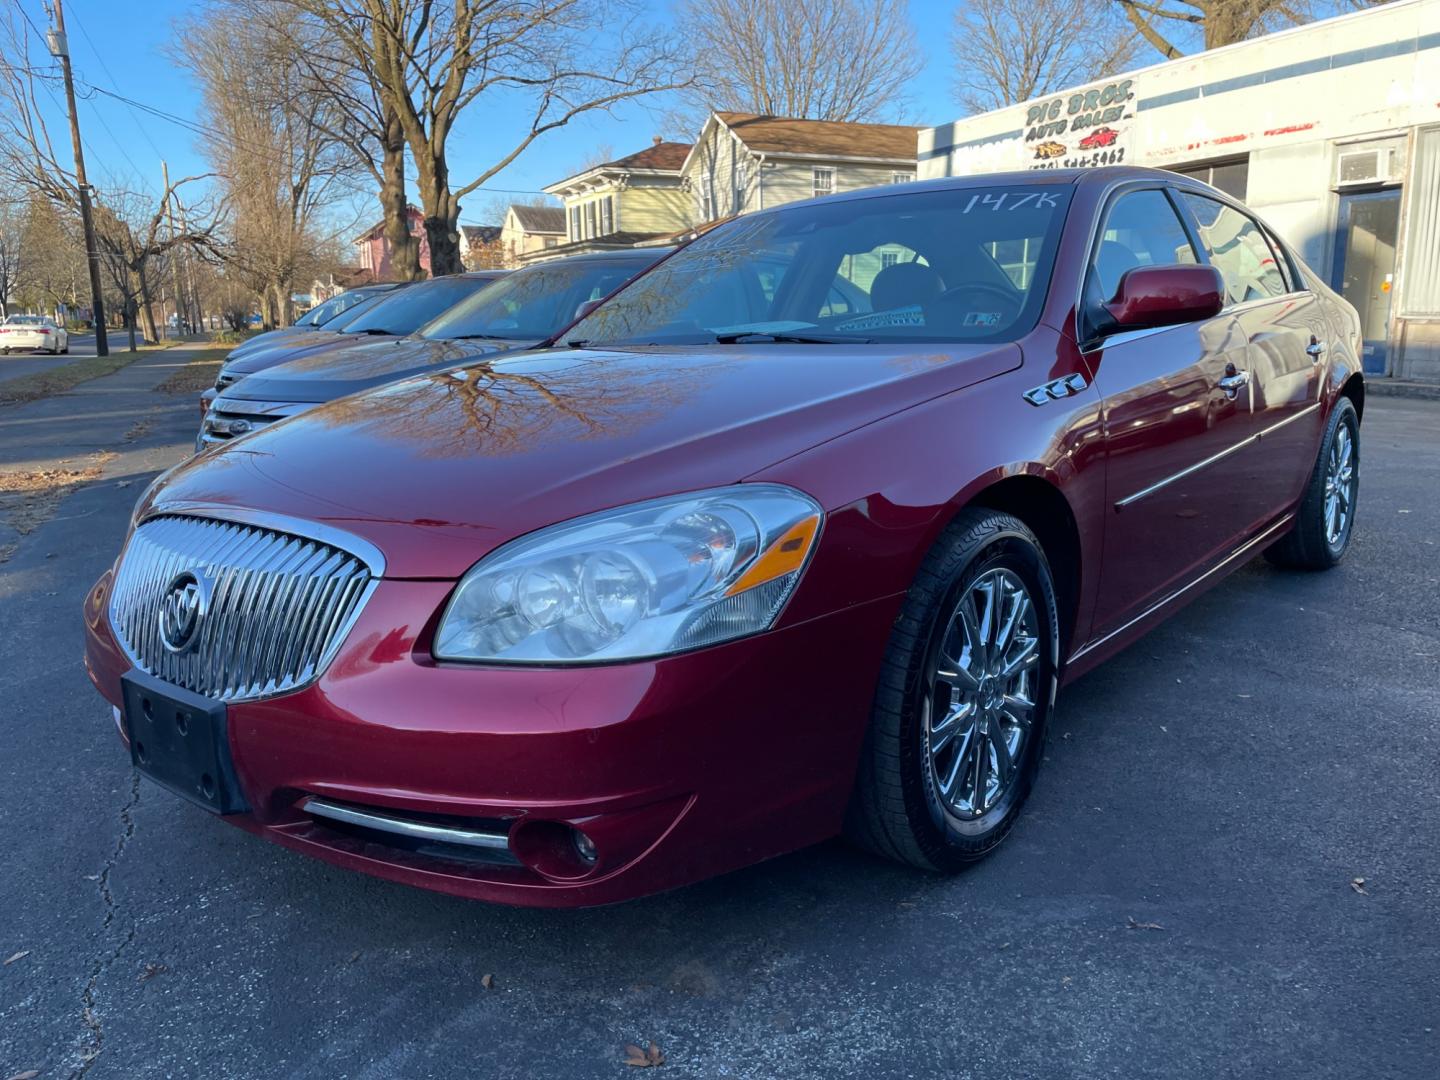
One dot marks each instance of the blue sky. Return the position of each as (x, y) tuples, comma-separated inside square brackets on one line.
[(126, 144)]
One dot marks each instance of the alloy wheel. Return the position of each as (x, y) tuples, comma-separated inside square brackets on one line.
[(1339, 485), (981, 709)]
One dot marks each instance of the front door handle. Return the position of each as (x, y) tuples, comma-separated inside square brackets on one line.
[(1233, 382), (1315, 349)]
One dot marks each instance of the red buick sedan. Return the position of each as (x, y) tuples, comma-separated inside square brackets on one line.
[(800, 534)]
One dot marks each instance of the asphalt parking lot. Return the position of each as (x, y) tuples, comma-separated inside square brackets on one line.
[(1229, 868)]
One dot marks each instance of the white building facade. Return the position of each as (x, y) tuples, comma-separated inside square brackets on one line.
[(1330, 131)]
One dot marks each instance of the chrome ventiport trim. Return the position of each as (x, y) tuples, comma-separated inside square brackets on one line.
[(1056, 389), (416, 830)]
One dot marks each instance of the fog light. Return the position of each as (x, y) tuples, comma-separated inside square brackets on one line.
[(584, 846)]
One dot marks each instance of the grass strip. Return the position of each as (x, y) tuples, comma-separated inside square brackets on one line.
[(44, 384)]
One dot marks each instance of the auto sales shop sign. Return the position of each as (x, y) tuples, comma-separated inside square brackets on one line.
[(1077, 129)]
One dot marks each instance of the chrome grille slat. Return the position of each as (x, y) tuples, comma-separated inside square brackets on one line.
[(279, 604)]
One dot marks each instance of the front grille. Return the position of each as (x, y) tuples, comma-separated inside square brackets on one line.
[(275, 610)]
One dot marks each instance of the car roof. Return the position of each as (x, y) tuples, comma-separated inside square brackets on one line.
[(646, 254)]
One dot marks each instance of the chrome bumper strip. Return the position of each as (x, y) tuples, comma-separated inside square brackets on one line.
[(416, 830)]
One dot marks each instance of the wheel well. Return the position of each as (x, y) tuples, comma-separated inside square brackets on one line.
[(1045, 511), (1354, 389)]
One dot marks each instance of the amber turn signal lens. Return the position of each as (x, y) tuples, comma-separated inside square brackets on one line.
[(784, 556)]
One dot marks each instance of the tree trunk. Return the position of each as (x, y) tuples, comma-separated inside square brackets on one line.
[(141, 286), (130, 321), (444, 238), (404, 248)]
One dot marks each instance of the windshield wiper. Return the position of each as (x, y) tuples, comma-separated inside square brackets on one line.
[(376, 330), (765, 336)]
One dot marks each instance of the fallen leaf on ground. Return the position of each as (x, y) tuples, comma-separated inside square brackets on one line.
[(123, 483), (149, 971), (1131, 924), (354, 956), (487, 981), (18, 956), (1358, 884), (648, 1058)]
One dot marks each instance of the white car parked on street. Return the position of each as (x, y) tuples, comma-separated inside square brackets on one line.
[(33, 332)]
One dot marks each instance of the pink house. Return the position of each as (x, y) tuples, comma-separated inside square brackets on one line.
[(375, 251)]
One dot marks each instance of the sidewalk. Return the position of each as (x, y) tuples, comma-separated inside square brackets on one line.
[(117, 429)]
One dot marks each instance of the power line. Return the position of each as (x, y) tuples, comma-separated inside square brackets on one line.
[(114, 82)]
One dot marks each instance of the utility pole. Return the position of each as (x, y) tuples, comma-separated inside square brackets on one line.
[(174, 254), (61, 49)]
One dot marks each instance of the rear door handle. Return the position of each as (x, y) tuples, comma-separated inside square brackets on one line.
[(1233, 382)]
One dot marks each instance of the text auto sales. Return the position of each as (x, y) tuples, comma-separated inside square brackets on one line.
[(1092, 108)]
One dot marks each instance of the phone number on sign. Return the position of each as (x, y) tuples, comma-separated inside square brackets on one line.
[(1085, 161)]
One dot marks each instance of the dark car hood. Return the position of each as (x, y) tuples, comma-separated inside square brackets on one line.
[(271, 339), (440, 469), (353, 365)]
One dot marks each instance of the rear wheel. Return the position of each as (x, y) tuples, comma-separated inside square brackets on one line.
[(1323, 524), (966, 691)]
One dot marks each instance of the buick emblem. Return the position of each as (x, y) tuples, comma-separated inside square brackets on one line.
[(182, 610)]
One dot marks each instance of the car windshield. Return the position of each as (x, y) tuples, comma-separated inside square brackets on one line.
[(533, 303), (25, 320), (346, 301), (406, 311), (959, 264)]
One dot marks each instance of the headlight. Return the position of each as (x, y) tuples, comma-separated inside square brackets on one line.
[(644, 580)]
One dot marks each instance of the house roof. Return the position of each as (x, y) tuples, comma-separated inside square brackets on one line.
[(660, 156), (411, 212), (822, 138), (664, 156), (539, 219), (480, 234)]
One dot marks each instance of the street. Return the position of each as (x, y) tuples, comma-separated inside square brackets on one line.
[(1228, 867), (17, 364)]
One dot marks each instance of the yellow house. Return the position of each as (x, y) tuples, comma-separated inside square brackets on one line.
[(622, 203)]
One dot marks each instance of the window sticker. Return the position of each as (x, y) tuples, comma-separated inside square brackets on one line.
[(982, 318), (906, 316)]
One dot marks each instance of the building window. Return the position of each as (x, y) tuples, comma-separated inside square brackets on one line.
[(822, 181), (889, 258), (707, 205), (550, 241), (607, 215), (1232, 177), (901, 177), (1422, 288), (591, 227), (574, 223)]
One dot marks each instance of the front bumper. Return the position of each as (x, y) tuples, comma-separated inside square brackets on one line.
[(676, 769), (227, 418)]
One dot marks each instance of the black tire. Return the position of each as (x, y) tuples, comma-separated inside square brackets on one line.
[(895, 810), (1307, 546)]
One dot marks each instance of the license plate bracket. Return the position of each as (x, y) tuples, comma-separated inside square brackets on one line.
[(180, 740)]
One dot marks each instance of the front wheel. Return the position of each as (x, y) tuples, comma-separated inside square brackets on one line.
[(1326, 517), (966, 690)]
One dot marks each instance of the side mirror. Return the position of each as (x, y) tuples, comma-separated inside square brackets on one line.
[(1151, 296), (585, 308)]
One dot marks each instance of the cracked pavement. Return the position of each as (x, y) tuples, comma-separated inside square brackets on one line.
[(1226, 779)]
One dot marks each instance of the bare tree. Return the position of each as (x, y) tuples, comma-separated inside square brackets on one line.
[(12, 252), (1008, 51), (1213, 23), (433, 62), (129, 229), (812, 59), (273, 148)]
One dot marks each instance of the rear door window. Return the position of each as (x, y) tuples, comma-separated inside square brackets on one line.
[(1238, 249)]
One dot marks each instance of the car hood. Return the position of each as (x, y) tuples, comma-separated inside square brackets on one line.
[(359, 363), (438, 470), (282, 352), (272, 339)]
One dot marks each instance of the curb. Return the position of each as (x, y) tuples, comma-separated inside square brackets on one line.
[(1401, 388)]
